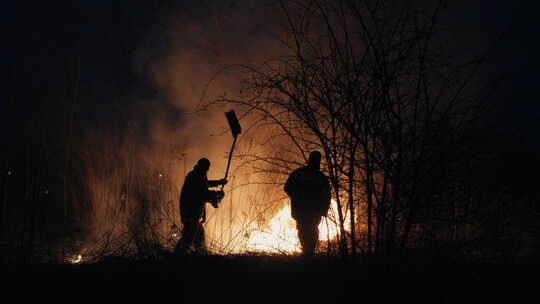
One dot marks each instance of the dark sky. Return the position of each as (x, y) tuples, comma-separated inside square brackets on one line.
[(509, 30), (45, 38), (516, 55)]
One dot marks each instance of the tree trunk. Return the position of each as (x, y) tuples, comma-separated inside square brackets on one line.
[(351, 200)]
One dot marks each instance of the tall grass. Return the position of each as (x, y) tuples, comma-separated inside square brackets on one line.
[(130, 201)]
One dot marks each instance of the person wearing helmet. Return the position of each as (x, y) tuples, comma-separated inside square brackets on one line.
[(193, 196), (309, 190)]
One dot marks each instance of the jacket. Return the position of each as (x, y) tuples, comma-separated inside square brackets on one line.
[(195, 194), (309, 190)]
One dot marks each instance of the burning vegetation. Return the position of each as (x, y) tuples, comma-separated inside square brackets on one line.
[(396, 113), (279, 235)]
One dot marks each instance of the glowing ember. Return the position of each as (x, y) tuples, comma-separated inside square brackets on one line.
[(76, 259), (280, 234)]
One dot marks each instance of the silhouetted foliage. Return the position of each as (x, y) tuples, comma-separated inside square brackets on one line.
[(375, 86)]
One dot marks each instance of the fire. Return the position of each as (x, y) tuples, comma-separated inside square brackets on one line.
[(76, 259), (280, 234)]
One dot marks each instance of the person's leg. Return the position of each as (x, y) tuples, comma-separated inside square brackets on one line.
[(199, 239), (188, 235), (308, 233)]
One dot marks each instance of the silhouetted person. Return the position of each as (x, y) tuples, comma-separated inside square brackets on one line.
[(194, 195), (309, 190)]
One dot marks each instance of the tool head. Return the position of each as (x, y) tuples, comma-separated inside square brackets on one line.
[(233, 123)]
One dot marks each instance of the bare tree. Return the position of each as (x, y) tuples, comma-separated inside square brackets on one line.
[(373, 85)]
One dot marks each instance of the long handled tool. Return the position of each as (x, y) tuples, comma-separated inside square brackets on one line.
[(235, 130)]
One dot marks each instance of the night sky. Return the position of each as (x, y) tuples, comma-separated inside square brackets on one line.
[(44, 39), (110, 47)]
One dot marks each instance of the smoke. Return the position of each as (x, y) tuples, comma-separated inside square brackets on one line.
[(203, 39), (132, 175)]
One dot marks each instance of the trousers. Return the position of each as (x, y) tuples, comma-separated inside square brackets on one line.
[(308, 232), (192, 235)]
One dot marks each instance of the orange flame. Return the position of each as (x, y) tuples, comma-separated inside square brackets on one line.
[(280, 234), (76, 260)]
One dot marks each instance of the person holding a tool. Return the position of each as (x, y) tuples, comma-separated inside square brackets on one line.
[(194, 195), (309, 190)]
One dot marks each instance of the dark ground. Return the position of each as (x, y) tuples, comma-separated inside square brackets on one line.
[(252, 279)]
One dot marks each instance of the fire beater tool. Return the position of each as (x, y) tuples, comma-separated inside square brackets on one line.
[(234, 125)]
